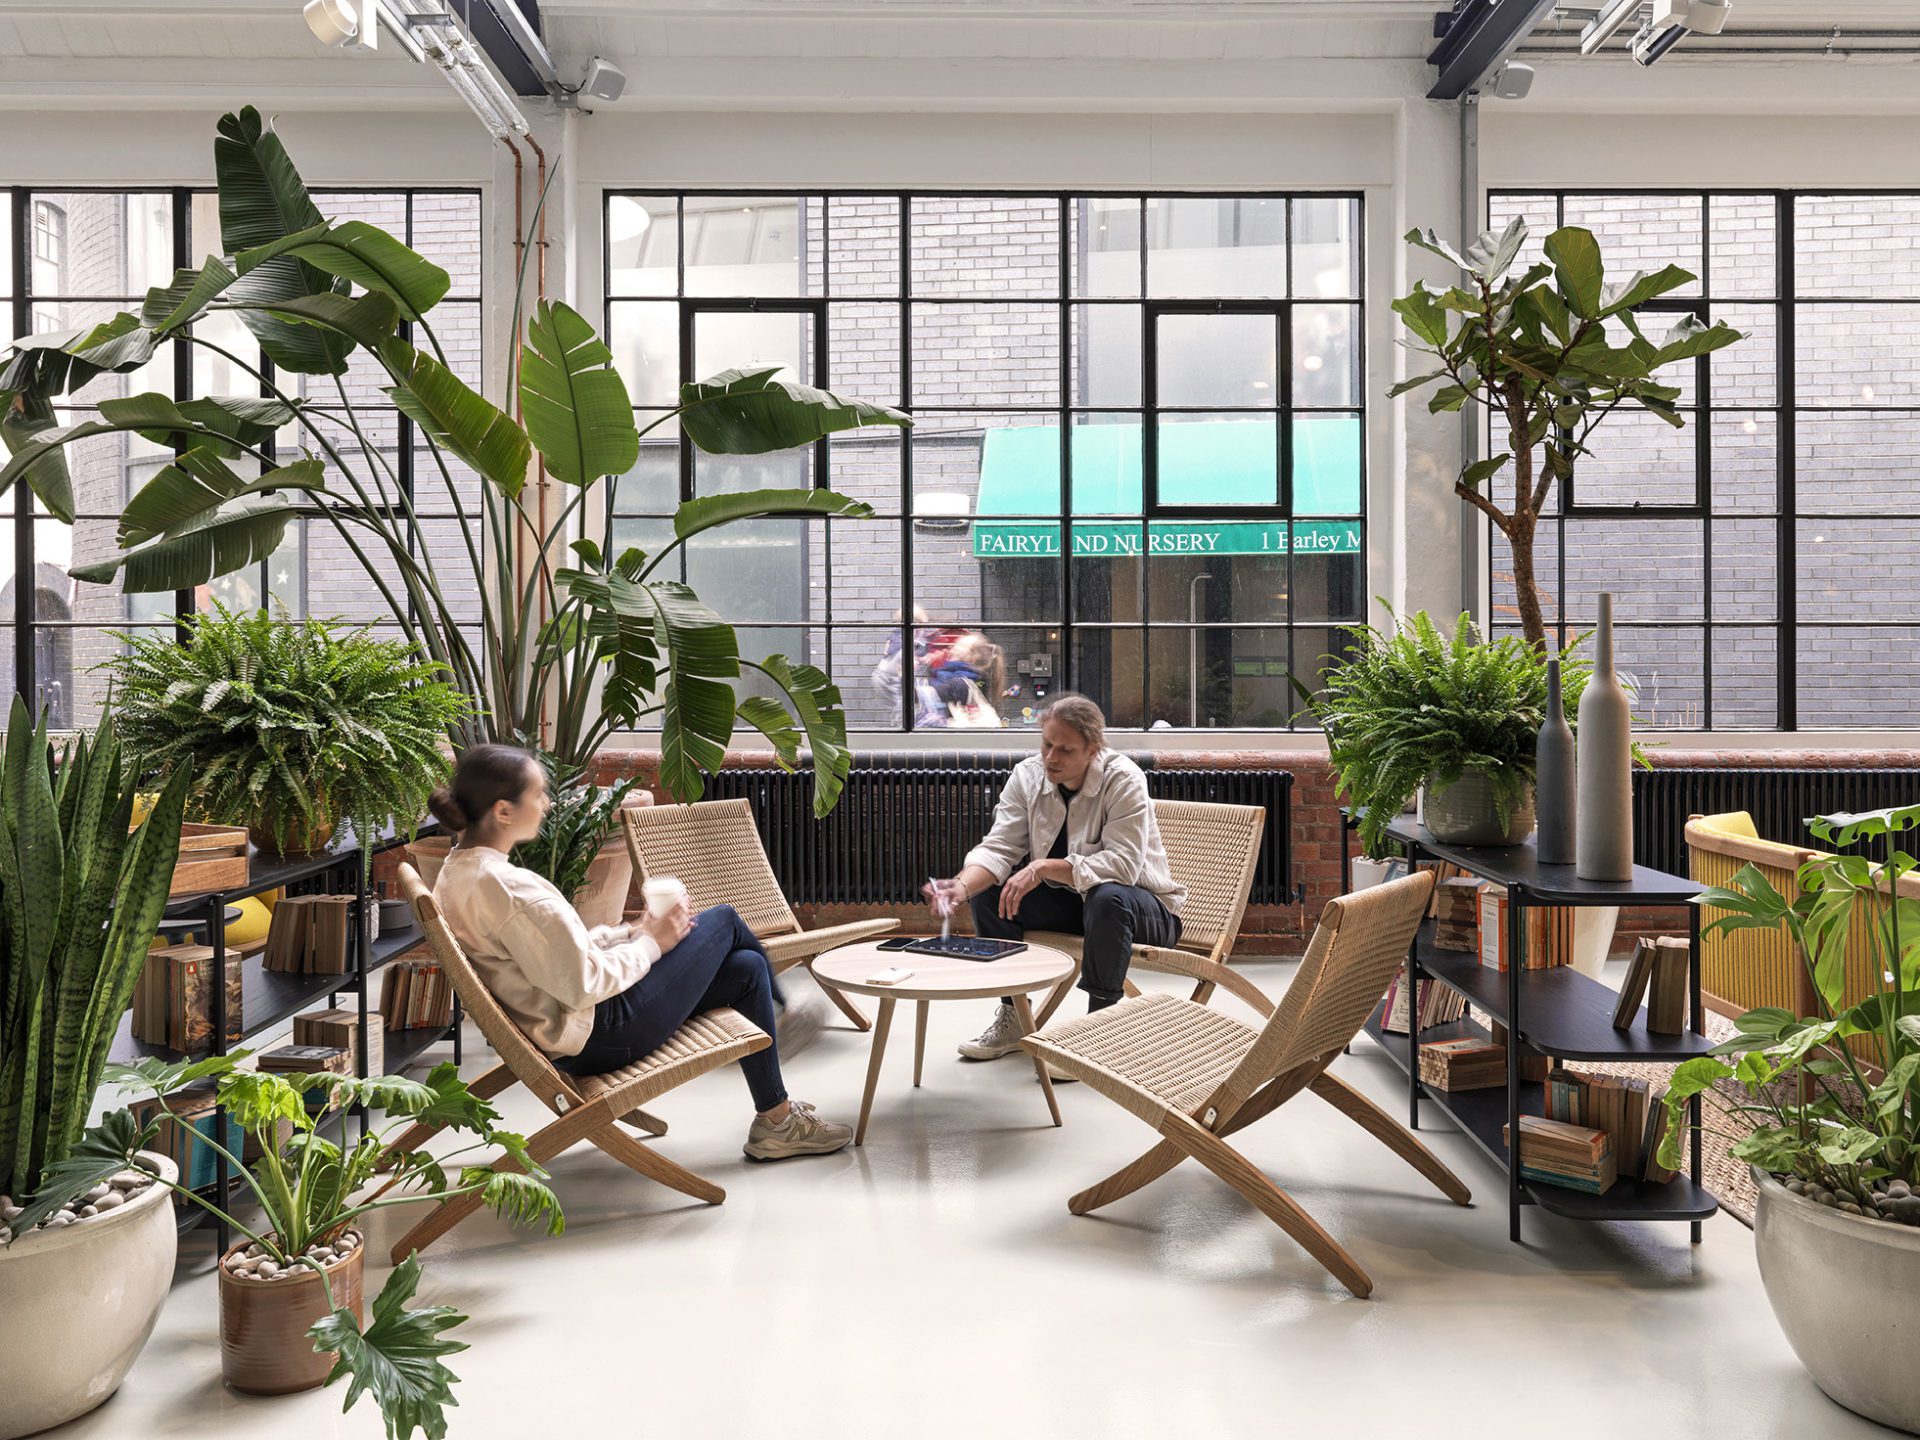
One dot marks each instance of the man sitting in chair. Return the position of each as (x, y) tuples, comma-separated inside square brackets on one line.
[(1073, 848)]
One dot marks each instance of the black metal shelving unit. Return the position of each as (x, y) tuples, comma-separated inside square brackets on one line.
[(1558, 1012), (270, 999)]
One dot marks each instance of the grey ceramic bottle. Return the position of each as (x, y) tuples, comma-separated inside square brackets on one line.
[(1553, 778), (1603, 776)]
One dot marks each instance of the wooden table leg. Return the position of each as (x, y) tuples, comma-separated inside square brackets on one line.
[(881, 1024), (920, 1040), (1023, 1008)]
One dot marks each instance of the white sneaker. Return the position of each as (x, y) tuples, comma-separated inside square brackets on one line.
[(1002, 1037), (799, 1025)]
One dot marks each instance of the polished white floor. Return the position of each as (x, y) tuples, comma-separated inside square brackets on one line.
[(933, 1284)]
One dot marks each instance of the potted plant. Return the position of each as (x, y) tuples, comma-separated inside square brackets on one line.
[(82, 893), (1550, 353), (292, 1313), (289, 726), (1410, 710), (573, 642), (1836, 1149)]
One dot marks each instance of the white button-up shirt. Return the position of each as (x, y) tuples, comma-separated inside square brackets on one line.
[(1111, 836)]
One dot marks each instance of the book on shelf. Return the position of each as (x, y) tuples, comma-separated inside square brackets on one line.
[(1628, 1110), (1549, 932), (173, 999), (416, 994), (341, 1029), (1439, 1005), (288, 935), (327, 945), (1443, 871), (1667, 987), (309, 935), (1633, 989), (1471, 1063), (1456, 914), (305, 1060), (188, 1117), (1656, 1133), (1552, 1152)]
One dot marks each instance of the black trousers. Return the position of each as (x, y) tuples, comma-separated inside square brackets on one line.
[(1113, 918)]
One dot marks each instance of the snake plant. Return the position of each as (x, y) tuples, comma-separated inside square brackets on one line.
[(81, 895), (574, 641)]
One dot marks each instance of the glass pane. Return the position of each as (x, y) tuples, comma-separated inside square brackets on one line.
[(1541, 214), (1745, 571), (643, 245), (979, 245), (645, 340), (105, 471), (1330, 586), (1858, 463), (1639, 459), (1746, 462), (860, 565), (749, 340), (983, 576), (67, 681), (735, 474), (864, 235), (104, 242), (801, 645), (866, 464), (219, 374), (648, 533), (1206, 678), (652, 486), (1191, 581), (1857, 355), (1746, 685), (446, 229), (747, 245), (1222, 247), (1741, 251), (986, 355), (431, 494), (863, 351), (1664, 675), (1838, 560), (1855, 245), (385, 209), (1317, 651), (1744, 372), (1106, 465), (1106, 246), (457, 323), (1217, 460), (1653, 568), (1546, 576), (156, 374), (1218, 359), (1107, 574), (755, 569), (988, 465), (1643, 232), (1106, 354), (1107, 669), (984, 676), (1862, 676), (1326, 358), (866, 666), (1326, 465), (1326, 247)]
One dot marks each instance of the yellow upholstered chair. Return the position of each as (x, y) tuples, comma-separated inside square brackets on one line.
[(1745, 969)]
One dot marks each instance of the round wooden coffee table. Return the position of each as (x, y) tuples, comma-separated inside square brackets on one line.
[(940, 977)]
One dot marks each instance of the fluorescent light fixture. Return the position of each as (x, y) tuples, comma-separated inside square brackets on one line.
[(1607, 23)]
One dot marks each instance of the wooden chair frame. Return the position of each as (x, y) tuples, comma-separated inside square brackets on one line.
[(587, 1109), (1197, 1076), (713, 848)]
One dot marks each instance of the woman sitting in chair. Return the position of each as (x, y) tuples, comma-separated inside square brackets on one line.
[(597, 1001)]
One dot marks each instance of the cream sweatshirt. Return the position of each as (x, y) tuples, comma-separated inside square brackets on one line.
[(530, 948)]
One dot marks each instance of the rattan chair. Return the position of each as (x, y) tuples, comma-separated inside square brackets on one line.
[(712, 847), (1197, 1076), (1212, 850), (585, 1108)]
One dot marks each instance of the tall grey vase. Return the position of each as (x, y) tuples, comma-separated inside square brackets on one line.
[(1603, 769), (1553, 778)]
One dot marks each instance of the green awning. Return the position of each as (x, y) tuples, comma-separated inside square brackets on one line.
[(1202, 462)]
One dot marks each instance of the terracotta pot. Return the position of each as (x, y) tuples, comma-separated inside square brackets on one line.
[(303, 837), (603, 899), (264, 1347), (77, 1305), (427, 855)]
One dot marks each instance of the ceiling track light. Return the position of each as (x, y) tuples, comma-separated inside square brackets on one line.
[(356, 25)]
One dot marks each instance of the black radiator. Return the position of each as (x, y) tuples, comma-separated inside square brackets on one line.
[(1780, 801), (905, 816)]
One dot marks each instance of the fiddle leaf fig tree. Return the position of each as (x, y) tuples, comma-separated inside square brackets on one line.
[(1550, 353), (571, 641)]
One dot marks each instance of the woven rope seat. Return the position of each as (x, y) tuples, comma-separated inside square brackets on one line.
[(686, 1050), (1174, 1053)]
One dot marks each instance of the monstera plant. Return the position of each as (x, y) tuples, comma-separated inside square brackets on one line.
[(574, 640)]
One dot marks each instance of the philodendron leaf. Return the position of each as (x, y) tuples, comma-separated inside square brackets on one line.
[(101, 1153), (398, 1358)]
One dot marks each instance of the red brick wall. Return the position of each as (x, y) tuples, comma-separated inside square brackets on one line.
[(1317, 838)]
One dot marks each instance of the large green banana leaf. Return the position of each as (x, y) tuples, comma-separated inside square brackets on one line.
[(209, 545), (751, 412), (457, 417), (577, 410), (812, 696)]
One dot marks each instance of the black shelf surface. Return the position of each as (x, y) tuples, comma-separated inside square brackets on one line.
[(404, 1048), (1565, 1013), (1481, 1116), (1519, 865)]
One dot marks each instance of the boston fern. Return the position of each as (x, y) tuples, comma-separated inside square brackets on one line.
[(575, 827), (1412, 704), (290, 726)]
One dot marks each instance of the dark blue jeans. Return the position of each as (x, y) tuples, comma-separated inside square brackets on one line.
[(719, 965), (1113, 918)]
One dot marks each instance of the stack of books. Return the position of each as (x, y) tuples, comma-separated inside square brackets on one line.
[(341, 1029), (1629, 1111), (1658, 974), (416, 994), (1456, 915), (173, 1001), (1549, 937), (1553, 1152), (305, 1060), (1438, 1004), (1468, 1064), (309, 935)]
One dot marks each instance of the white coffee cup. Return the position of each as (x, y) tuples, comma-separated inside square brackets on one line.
[(662, 893)]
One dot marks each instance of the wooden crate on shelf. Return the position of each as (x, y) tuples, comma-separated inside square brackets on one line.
[(212, 857)]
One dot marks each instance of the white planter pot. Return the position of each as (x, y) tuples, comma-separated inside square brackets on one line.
[(1842, 1289), (1369, 873), (77, 1305)]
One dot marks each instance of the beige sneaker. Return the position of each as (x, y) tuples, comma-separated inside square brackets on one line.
[(804, 1133)]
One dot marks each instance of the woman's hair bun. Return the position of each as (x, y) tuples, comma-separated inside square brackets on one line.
[(447, 810)]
